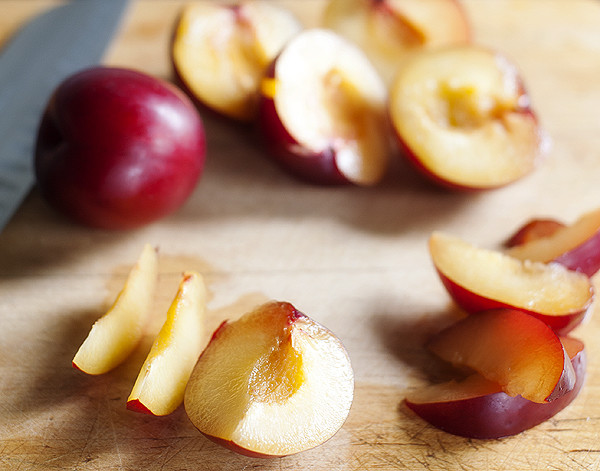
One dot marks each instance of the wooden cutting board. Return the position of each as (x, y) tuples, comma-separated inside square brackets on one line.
[(354, 259)]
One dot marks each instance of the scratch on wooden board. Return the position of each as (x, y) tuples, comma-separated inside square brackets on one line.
[(507, 455), (114, 436), (478, 445), (24, 464), (575, 419), (441, 444), (60, 458), (586, 454), (171, 452), (577, 462), (375, 460), (91, 432)]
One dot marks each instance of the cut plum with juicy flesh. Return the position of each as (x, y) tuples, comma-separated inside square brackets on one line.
[(576, 246), (271, 383), (221, 52), (517, 351), (389, 31), (323, 111), (479, 279), (478, 408), (115, 335), (160, 385), (463, 117)]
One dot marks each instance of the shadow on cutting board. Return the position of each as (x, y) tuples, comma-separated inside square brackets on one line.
[(242, 180)]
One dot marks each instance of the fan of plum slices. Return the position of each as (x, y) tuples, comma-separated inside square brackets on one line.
[(521, 368), (476, 407)]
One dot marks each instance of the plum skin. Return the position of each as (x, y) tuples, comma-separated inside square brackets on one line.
[(117, 148), (473, 303)]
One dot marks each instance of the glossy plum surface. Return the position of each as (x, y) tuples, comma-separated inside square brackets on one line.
[(118, 149), (511, 348)]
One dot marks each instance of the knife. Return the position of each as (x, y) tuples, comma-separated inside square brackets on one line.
[(51, 47)]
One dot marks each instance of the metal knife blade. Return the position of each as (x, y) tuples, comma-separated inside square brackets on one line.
[(52, 46)]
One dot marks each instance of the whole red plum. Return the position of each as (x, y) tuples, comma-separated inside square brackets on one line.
[(118, 149)]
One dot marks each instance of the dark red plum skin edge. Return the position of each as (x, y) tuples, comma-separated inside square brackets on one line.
[(473, 303), (497, 415)]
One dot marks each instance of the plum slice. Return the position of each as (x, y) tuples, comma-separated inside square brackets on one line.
[(478, 408)]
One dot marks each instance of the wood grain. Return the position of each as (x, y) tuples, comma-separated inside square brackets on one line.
[(354, 259)]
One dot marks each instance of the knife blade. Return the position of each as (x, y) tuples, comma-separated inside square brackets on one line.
[(49, 48)]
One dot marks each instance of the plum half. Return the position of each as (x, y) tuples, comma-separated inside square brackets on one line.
[(272, 383), (463, 117), (323, 111), (220, 52)]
